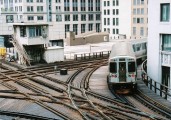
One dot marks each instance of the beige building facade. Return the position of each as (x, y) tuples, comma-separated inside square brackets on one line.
[(139, 19)]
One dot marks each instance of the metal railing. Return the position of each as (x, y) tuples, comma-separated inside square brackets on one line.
[(157, 87), (84, 56)]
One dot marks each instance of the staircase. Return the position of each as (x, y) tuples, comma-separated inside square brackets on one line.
[(21, 51)]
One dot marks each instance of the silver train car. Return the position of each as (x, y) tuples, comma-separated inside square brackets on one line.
[(123, 64)]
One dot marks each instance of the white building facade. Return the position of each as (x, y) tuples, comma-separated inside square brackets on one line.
[(62, 15), (159, 41), (116, 17), (124, 18)]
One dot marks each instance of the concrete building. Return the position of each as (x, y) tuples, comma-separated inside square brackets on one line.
[(124, 18), (62, 15), (159, 41), (139, 19)]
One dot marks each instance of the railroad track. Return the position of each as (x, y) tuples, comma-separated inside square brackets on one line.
[(72, 96)]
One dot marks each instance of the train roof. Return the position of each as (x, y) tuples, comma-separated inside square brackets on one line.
[(122, 48)]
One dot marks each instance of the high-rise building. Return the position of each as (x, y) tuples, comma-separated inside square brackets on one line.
[(159, 41), (62, 15), (124, 18)]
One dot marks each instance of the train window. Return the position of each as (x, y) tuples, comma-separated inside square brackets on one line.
[(113, 67), (131, 66)]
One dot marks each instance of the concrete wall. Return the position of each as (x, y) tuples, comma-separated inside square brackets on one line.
[(154, 42), (92, 37)]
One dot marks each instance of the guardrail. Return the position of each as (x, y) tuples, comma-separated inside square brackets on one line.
[(157, 87)]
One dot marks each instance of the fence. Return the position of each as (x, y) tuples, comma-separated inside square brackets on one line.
[(86, 56), (157, 87)]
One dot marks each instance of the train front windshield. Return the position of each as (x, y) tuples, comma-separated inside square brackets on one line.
[(113, 67), (131, 66)]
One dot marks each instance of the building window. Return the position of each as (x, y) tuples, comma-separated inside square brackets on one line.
[(134, 30), (108, 12), (97, 5), (138, 2), (117, 2), (142, 2), (134, 11), (113, 31), (113, 21), (29, 18), (135, 2), (142, 31), (104, 21), (58, 1), (138, 20), (166, 42), (134, 20), (142, 20), (108, 21), (165, 12), (66, 5), (58, 8), (90, 17), (40, 1), (97, 27), (58, 18), (113, 2), (117, 21), (97, 16), (90, 27), (75, 28), (117, 11), (39, 17), (83, 17), (138, 11), (39, 8), (113, 11), (142, 11), (83, 5), (83, 28), (104, 12), (74, 5), (90, 5), (29, 1), (30, 9), (108, 3), (23, 31), (117, 31), (9, 19), (67, 17), (67, 28), (75, 17), (35, 31), (104, 3)]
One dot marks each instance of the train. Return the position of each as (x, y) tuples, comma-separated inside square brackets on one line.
[(122, 64)]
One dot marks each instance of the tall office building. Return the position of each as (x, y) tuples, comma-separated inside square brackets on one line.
[(124, 18), (62, 15)]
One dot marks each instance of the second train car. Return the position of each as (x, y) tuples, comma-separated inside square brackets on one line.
[(123, 64)]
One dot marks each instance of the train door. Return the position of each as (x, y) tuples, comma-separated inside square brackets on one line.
[(122, 71)]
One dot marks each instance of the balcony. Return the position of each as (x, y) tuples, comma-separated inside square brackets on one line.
[(165, 58), (32, 40)]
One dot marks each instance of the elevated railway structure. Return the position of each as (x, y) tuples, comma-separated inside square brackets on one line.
[(35, 93)]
